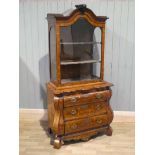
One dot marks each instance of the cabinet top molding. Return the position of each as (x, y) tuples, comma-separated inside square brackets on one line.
[(80, 10)]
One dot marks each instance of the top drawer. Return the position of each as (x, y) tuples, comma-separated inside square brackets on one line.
[(87, 98)]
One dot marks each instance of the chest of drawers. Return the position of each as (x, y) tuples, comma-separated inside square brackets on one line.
[(79, 114)]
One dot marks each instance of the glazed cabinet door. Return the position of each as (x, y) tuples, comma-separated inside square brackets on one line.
[(80, 52)]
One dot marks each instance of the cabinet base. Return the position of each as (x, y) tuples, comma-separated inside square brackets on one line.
[(84, 136)]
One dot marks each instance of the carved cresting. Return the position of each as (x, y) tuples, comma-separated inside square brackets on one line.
[(81, 7)]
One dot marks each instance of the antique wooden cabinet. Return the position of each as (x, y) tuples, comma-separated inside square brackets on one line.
[(78, 96)]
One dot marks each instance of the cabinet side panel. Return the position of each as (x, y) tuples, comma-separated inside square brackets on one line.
[(51, 109)]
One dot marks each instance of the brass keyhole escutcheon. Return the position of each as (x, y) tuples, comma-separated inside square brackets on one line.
[(73, 111), (98, 96), (74, 126), (99, 121), (73, 99)]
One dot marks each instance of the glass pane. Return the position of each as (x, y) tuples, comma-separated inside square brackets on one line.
[(97, 47), (80, 51), (53, 53)]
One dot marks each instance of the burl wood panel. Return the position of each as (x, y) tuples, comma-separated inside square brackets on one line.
[(86, 123), (85, 110), (79, 99), (78, 111)]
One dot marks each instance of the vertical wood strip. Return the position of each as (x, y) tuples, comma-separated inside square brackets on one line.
[(58, 53), (121, 94), (102, 53), (116, 51), (129, 55), (23, 57), (109, 42), (29, 63), (131, 30)]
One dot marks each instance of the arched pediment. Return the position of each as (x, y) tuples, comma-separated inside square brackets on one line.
[(81, 12)]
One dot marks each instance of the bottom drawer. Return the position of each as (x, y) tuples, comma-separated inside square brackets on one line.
[(84, 124)]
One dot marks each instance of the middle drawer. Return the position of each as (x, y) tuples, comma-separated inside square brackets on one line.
[(85, 110)]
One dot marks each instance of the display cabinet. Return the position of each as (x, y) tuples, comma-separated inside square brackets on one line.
[(78, 96)]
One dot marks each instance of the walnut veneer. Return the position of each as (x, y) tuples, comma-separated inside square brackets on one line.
[(77, 110)]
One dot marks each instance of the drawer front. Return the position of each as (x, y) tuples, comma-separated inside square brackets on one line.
[(87, 98), (77, 111), (85, 110), (84, 124)]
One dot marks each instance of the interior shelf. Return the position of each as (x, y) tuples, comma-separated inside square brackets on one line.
[(79, 43), (70, 62), (91, 77)]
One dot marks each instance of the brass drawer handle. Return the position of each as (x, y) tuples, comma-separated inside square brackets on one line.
[(73, 111), (73, 99), (98, 96), (74, 126), (99, 121)]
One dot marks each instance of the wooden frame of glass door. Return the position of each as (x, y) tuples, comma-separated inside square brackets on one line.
[(69, 20)]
